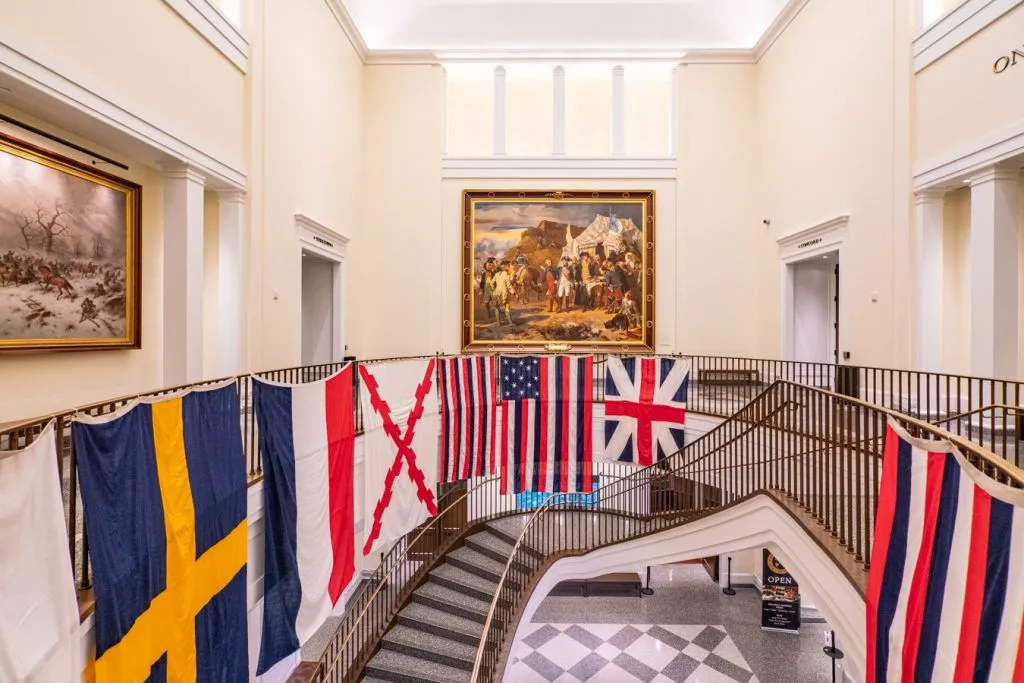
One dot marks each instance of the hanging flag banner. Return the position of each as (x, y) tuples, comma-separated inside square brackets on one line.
[(945, 598), (164, 494), (644, 408), (400, 420), (39, 633), (307, 439), (469, 416), (780, 596), (547, 424)]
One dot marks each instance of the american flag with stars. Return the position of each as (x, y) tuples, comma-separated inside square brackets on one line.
[(546, 424)]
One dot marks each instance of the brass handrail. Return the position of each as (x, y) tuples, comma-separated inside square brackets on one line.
[(397, 562), (497, 593), (976, 411)]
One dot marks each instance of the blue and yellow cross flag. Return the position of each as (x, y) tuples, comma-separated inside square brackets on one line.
[(164, 494)]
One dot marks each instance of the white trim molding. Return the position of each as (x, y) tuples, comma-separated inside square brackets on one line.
[(348, 27), (811, 241), (559, 167), (955, 28), (65, 85), (215, 28), (778, 27), (960, 163), (316, 238), (331, 244)]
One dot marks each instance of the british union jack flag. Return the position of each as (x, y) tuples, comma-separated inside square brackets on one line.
[(645, 408)]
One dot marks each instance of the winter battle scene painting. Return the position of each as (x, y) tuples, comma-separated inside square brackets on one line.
[(557, 269), (69, 238)]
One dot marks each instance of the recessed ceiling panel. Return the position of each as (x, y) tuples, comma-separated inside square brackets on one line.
[(552, 25)]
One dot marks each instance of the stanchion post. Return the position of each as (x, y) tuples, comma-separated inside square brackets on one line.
[(833, 653), (647, 590), (729, 590)]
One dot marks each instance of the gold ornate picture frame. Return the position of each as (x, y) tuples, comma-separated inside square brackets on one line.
[(558, 270), (70, 259)]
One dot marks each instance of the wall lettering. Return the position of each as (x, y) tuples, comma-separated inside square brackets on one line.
[(321, 240), (808, 243), (1006, 61)]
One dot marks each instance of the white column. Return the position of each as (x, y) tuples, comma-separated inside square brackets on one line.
[(558, 114), (673, 112), (500, 125), (618, 110), (183, 275), (231, 274), (929, 222), (994, 273)]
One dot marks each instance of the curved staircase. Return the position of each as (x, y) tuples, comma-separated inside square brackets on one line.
[(436, 635)]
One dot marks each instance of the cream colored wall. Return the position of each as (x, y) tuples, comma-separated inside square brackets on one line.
[(143, 57), (833, 140), (959, 98), (956, 303), (40, 383), (307, 125), (717, 218), (396, 297)]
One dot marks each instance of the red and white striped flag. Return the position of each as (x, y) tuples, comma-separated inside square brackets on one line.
[(469, 416), (945, 594), (547, 424)]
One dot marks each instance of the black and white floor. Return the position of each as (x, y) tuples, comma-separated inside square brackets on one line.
[(687, 631), (615, 653)]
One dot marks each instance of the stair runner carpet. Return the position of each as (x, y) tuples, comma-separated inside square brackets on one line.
[(435, 637)]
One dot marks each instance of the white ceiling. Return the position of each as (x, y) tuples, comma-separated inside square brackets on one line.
[(562, 26)]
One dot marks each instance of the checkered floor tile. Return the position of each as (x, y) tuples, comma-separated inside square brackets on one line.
[(617, 653)]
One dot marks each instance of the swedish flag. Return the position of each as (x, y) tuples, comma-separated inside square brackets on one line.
[(164, 493)]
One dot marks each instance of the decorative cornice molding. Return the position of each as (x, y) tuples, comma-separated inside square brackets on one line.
[(957, 27), (215, 28), (930, 196), (179, 171), (303, 221), (778, 27), (63, 84), (962, 162), (560, 167), (348, 26), (794, 238), (719, 56)]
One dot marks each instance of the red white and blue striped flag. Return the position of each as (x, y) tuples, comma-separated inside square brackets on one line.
[(644, 408), (945, 593), (469, 416), (547, 424)]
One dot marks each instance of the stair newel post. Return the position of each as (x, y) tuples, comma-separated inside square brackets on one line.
[(729, 590)]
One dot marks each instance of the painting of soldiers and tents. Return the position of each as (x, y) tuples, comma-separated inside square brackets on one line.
[(69, 252), (557, 269)]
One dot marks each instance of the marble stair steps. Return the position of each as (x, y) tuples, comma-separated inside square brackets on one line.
[(430, 647), (388, 665), (436, 635)]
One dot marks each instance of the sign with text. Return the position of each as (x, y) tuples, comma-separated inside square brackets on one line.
[(1006, 61), (780, 596)]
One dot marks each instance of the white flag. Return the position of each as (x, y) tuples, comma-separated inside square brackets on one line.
[(400, 420), (39, 627)]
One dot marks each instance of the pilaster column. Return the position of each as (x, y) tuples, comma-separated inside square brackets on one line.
[(673, 112), (994, 273), (558, 113), (231, 274), (444, 113), (183, 275), (929, 230), (500, 113), (618, 110)]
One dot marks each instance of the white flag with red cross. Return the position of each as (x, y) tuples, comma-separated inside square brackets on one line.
[(401, 425)]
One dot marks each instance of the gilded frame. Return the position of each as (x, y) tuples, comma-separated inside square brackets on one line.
[(111, 280), (471, 298)]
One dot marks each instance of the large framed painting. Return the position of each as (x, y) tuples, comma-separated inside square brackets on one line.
[(69, 253), (558, 270)]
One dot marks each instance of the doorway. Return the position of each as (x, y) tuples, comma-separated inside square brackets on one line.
[(320, 327), (814, 324)]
